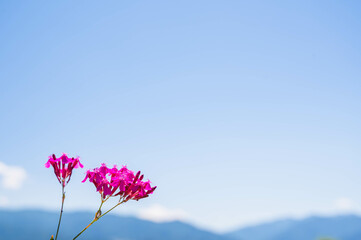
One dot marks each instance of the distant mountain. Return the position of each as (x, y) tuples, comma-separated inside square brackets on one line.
[(39, 225), (346, 227)]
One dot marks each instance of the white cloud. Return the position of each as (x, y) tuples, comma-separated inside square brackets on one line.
[(345, 204), (4, 201), (12, 177), (158, 213)]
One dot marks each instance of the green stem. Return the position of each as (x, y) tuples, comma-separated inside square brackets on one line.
[(86, 228), (61, 210), (97, 217)]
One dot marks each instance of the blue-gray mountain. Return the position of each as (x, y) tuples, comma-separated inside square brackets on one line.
[(21, 225), (38, 225), (346, 227)]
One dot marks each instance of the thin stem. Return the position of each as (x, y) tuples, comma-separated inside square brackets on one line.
[(94, 220), (98, 217), (111, 208), (61, 210)]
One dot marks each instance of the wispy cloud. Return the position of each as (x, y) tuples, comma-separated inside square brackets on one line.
[(345, 204), (4, 201), (158, 213), (12, 177)]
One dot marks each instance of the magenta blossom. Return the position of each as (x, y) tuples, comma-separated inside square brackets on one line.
[(110, 182), (63, 167)]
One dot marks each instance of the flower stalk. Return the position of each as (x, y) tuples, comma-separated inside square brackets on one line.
[(61, 211), (98, 215), (63, 169)]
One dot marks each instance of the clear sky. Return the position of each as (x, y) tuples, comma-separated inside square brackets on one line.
[(240, 111)]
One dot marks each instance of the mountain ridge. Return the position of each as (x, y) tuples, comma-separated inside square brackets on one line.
[(40, 224), (341, 227)]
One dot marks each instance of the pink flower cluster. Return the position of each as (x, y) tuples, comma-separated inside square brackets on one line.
[(110, 182), (63, 167)]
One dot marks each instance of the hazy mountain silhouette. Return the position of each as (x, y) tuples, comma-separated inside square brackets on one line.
[(32, 224), (347, 227)]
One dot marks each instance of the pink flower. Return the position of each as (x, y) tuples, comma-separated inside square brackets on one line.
[(63, 167), (110, 182)]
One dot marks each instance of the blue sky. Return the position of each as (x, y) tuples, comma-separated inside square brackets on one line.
[(239, 111)]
